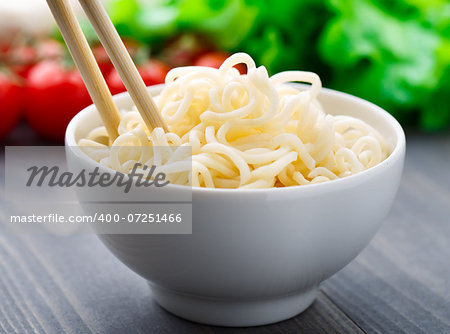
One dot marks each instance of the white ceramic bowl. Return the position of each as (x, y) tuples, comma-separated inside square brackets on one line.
[(258, 256)]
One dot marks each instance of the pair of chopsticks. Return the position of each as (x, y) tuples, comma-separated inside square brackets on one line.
[(88, 67)]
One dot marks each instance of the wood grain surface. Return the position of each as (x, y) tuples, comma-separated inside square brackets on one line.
[(399, 284)]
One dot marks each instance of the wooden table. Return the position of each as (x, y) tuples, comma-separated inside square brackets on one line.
[(399, 284)]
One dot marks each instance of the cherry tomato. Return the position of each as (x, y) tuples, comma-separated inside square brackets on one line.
[(4, 48), (22, 58), (103, 60), (10, 102), (49, 49), (153, 72), (215, 59), (183, 49), (54, 95)]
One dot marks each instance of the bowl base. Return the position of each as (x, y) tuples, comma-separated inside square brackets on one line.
[(233, 313)]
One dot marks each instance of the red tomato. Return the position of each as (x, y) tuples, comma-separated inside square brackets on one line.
[(4, 48), (216, 59), (183, 49), (49, 49), (22, 58), (102, 57), (54, 95), (153, 72), (10, 102), (103, 60)]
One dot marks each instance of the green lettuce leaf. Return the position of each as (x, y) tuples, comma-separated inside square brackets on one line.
[(380, 57)]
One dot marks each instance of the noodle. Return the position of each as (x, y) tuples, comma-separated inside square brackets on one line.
[(245, 131)]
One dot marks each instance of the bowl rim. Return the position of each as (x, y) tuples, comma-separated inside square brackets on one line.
[(351, 180)]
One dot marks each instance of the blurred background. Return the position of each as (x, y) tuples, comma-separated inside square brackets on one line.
[(395, 53)]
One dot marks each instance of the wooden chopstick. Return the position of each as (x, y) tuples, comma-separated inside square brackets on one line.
[(86, 64), (123, 63)]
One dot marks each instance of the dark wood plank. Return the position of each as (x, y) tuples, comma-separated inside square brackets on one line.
[(401, 282), (72, 284)]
